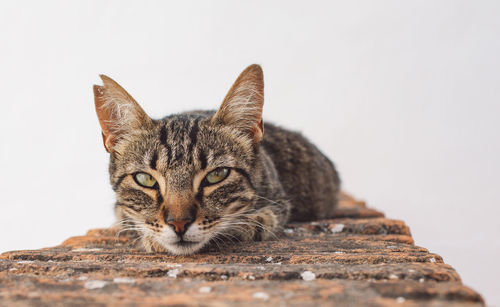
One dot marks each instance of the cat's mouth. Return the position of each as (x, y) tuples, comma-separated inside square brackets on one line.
[(177, 245)]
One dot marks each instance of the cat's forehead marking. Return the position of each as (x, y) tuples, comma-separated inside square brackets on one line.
[(175, 138)]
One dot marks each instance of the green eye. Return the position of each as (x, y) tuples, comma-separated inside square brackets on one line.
[(217, 175), (145, 180)]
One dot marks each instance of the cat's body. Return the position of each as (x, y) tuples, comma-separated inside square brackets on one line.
[(202, 176), (309, 179)]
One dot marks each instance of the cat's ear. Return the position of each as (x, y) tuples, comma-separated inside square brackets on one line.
[(242, 106), (117, 111)]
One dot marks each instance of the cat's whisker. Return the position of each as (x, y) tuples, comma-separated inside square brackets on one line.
[(247, 219), (230, 236), (245, 231), (140, 237), (130, 224), (227, 236), (215, 239), (282, 205), (253, 222), (127, 227)]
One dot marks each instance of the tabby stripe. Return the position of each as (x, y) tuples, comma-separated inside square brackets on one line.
[(243, 199), (163, 141), (246, 175), (154, 159), (176, 130), (225, 192), (163, 135), (193, 135), (169, 154), (159, 198), (119, 181), (178, 155), (118, 204), (199, 195), (203, 159), (129, 206)]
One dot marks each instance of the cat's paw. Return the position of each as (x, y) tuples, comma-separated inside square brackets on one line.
[(152, 246), (264, 224)]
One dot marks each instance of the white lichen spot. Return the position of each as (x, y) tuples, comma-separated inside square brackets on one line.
[(400, 300), (261, 295), (262, 268), (338, 252), (432, 260), (124, 280), (205, 289), (82, 278), (288, 231), (86, 249), (95, 284), (223, 277), (337, 228), (308, 275), (421, 280), (315, 223), (251, 277), (411, 271), (173, 273), (393, 276), (25, 261), (269, 259), (277, 263)]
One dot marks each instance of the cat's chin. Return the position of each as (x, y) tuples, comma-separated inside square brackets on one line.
[(180, 247), (184, 248)]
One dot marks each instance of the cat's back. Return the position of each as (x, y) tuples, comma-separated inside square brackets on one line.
[(308, 177)]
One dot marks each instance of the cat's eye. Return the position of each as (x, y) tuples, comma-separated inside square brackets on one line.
[(145, 180), (217, 175)]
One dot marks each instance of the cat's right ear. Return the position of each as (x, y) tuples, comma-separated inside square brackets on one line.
[(117, 111)]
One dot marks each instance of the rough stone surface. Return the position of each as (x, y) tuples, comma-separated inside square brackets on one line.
[(358, 258)]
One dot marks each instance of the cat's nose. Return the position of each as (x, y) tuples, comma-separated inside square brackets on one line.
[(179, 216), (180, 227)]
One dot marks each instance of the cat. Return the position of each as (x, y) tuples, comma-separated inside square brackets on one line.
[(202, 176)]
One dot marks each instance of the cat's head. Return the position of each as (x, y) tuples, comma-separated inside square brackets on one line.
[(186, 179)]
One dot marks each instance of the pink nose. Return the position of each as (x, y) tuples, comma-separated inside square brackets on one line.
[(180, 226), (179, 217)]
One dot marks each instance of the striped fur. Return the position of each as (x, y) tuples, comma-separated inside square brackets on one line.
[(275, 175)]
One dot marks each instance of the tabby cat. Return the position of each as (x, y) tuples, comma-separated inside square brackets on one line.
[(191, 178)]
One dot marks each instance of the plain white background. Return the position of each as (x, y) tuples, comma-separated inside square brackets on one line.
[(403, 96)]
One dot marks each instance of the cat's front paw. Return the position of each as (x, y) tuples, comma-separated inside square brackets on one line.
[(263, 225), (152, 246)]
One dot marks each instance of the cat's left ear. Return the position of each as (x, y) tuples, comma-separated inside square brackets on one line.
[(242, 106), (118, 112)]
